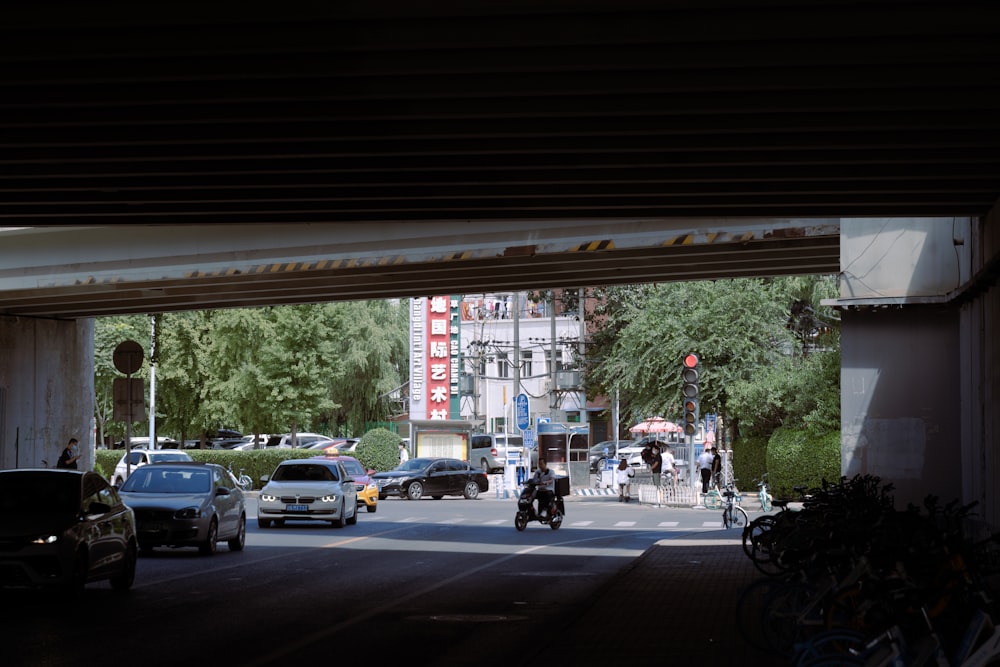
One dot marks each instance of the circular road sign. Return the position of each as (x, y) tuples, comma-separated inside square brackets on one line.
[(128, 357)]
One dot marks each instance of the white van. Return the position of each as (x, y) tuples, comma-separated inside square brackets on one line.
[(489, 450)]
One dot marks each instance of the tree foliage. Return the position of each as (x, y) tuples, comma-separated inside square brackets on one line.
[(318, 368), (767, 350)]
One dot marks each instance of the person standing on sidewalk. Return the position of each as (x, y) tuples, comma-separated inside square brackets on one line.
[(623, 476), (705, 465), (656, 465), (70, 455)]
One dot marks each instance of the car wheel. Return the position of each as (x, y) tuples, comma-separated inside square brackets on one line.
[(339, 522), (382, 496), (415, 491), (372, 508), (485, 465), (211, 543), (471, 490), (124, 579), (263, 523), (118, 482), (237, 542), (353, 519)]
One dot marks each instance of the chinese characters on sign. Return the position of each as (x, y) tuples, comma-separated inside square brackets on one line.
[(434, 339)]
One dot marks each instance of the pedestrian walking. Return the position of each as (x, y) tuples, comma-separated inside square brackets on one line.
[(70, 455), (623, 476)]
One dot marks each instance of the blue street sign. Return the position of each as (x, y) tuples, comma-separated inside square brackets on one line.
[(521, 411)]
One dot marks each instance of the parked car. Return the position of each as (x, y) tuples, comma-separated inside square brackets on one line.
[(489, 450), (186, 505), (142, 442), (64, 529), (434, 477), (316, 488), (141, 457), (602, 451), (366, 488)]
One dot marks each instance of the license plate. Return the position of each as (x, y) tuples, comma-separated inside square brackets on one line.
[(296, 508)]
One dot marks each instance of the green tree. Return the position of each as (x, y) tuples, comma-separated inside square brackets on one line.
[(109, 332), (373, 348), (752, 354)]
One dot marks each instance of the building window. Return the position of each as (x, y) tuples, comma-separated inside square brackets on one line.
[(503, 365), (525, 363)]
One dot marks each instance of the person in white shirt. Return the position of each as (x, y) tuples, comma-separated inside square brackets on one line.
[(623, 476), (404, 455)]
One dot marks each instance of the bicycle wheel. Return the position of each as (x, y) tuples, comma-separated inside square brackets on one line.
[(740, 518), (713, 500), (755, 531), (749, 611)]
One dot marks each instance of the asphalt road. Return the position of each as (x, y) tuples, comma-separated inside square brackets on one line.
[(448, 582)]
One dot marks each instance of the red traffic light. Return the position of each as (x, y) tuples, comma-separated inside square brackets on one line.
[(690, 360)]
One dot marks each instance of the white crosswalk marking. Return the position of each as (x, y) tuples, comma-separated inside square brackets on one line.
[(624, 524), (669, 524), (711, 524), (495, 522), (577, 523)]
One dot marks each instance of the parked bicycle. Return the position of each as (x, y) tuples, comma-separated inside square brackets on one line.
[(763, 494), (242, 479), (733, 516)]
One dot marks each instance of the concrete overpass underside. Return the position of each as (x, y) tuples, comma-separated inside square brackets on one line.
[(224, 154)]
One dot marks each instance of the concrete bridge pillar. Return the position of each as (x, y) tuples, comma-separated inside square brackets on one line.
[(46, 390)]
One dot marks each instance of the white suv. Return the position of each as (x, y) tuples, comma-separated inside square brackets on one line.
[(140, 457)]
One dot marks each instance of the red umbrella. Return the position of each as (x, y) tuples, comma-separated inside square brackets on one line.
[(656, 425)]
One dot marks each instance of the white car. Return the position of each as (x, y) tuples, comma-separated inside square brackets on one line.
[(308, 489), (141, 457)]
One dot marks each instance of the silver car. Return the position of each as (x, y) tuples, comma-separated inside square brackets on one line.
[(63, 529), (186, 505), (308, 489)]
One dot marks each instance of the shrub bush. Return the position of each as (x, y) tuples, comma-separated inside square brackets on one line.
[(801, 458), (378, 449), (749, 461)]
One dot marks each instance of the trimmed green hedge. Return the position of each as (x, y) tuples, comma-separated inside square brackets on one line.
[(790, 458), (801, 458)]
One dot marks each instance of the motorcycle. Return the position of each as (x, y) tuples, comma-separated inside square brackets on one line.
[(552, 516)]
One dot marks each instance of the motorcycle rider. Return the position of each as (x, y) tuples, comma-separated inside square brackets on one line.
[(545, 486)]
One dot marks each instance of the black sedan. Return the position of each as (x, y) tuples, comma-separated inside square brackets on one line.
[(63, 529), (186, 505), (432, 477)]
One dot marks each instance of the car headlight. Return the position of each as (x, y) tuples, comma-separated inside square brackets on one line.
[(45, 539), (268, 497), (329, 498), (188, 513)]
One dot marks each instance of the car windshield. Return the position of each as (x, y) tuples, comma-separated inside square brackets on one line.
[(149, 479), (33, 493), (305, 472), (170, 456)]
